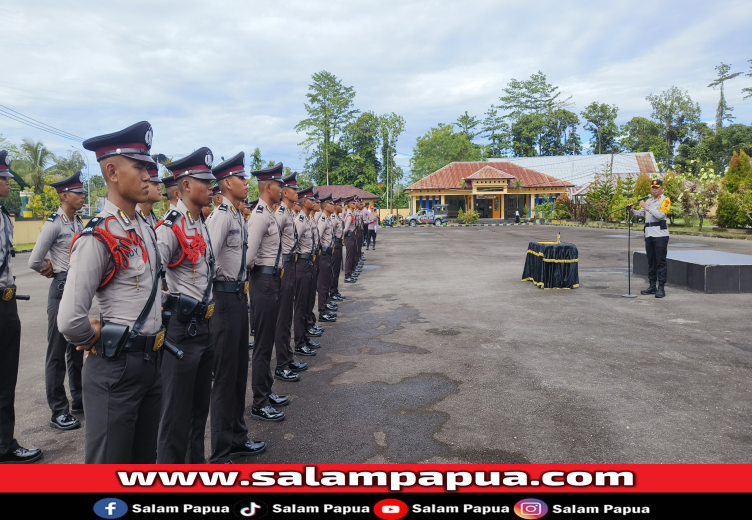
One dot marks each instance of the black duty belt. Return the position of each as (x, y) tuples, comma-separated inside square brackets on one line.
[(305, 257), (144, 343), (349, 233), (289, 258), (338, 241), (326, 251), (192, 308), (661, 224), (7, 294), (231, 286), (267, 270)]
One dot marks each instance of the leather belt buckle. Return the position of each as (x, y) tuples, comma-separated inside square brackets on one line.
[(245, 288), (8, 294), (209, 311), (159, 341)]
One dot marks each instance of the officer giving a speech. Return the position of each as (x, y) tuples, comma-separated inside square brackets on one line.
[(655, 210)]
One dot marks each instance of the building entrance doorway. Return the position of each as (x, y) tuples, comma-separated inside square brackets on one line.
[(484, 205), (514, 203)]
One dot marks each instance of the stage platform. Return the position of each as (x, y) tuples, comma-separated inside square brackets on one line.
[(704, 270)]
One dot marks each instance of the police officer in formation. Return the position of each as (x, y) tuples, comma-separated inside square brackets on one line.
[(55, 240), (10, 334), (174, 298)]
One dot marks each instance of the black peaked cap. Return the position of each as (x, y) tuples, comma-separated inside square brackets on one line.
[(197, 165), (233, 166), (134, 142)]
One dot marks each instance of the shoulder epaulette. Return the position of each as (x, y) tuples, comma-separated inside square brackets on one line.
[(171, 217), (53, 217), (301, 218), (91, 226), (280, 210), (259, 209), (223, 207)]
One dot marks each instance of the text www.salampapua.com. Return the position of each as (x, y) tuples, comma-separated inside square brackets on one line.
[(394, 480)]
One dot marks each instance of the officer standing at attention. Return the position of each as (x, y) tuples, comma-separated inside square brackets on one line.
[(338, 231), (304, 272), (188, 258), (229, 325), (287, 368), (655, 211), (264, 261), (251, 206), (172, 193), (10, 334), (313, 329), (350, 238), (55, 238), (116, 259), (326, 311), (146, 209)]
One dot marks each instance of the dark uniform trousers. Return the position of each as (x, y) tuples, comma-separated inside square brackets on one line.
[(656, 249), (359, 239), (312, 290), (251, 328), (265, 304), (350, 260), (325, 281), (229, 333), (60, 353), (303, 275), (282, 340), (336, 269), (186, 394), (10, 347), (371, 237), (122, 408)]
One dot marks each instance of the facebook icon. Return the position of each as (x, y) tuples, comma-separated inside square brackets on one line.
[(110, 508)]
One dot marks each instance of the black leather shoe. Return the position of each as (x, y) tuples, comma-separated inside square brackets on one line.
[(285, 374), (297, 366), (660, 292), (349, 280), (251, 345), (327, 317), (313, 332), (267, 413), (374, 248), (336, 298), (278, 400), (65, 422), (305, 351), (319, 328), (77, 409), (649, 290), (338, 295), (21, 456), (312, 344), (248, 449), (332, 306)]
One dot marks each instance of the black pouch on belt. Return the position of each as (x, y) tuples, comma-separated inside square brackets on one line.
[(112, 338), (187, 307)]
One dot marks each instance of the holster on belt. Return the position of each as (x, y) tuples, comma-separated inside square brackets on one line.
[(112, 338), (187, 308)]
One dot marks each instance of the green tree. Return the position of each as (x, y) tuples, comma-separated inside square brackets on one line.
[(747, 91), (618, 200), (629, 186), (642, 186), (527, 135), (599, 195), (739, 172), (640, 134), (531, 96), (33, 160), (68, 165), (392, 125), (560, 133), (498, 132), (45, 203), (438, 147), (677, 114), (361, 139), (717, 146), (330, 110), (600, 120), (467, 125), (723, 112), (255, 162)]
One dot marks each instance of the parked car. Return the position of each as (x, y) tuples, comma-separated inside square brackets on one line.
[(436, 216)]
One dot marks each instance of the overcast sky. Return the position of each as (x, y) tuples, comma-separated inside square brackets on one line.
[(233, 75)]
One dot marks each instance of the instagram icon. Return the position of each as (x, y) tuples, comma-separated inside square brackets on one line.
[(530, 508)]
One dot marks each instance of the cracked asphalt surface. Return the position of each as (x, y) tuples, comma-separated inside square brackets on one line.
[(442, 355)]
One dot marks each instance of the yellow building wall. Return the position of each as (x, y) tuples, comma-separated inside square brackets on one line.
[(26, 231), (414, 196)]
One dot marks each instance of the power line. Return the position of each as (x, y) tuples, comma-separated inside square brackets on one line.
[(21, 118)]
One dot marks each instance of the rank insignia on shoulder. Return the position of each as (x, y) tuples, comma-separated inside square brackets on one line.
[(91, 225), (53, 217), (65, 218), (223, 207), (301, 218), (143, 215), (280, 210), (124, 217), (190, 218), (234, 211), (259, 209)]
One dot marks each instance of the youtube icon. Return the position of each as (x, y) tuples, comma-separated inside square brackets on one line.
[(390, 509)]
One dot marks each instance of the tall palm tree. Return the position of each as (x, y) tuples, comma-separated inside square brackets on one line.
[(34, 160)]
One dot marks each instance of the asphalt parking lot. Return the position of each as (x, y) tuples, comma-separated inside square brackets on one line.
[(441, 354)]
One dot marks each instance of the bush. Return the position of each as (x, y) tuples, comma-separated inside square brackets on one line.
[(561, 207), (728, 213), (469, 217)]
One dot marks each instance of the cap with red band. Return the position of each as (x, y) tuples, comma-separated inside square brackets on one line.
[(272, 173), (134, 142), (232, 166), (72, 184), (197, 165)]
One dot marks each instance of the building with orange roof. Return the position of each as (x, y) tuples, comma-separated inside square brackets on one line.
[(494, 190)]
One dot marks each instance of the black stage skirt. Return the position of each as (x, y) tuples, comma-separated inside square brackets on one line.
[(552, 265)]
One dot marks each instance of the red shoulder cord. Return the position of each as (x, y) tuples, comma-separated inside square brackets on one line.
[(193, 250), (120, 247)]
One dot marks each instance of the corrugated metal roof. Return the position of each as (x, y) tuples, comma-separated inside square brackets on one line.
[(580, 169), (453, 174)]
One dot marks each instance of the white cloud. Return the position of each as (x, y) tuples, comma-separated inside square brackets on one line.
[(233, 75)]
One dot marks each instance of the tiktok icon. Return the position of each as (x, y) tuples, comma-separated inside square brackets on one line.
[(253, 509)]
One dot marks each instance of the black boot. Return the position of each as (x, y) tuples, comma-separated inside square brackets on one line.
[(649, 290), (660, 292)]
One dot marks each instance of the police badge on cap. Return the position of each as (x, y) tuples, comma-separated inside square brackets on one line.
[(134, 142), (196, 165)]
